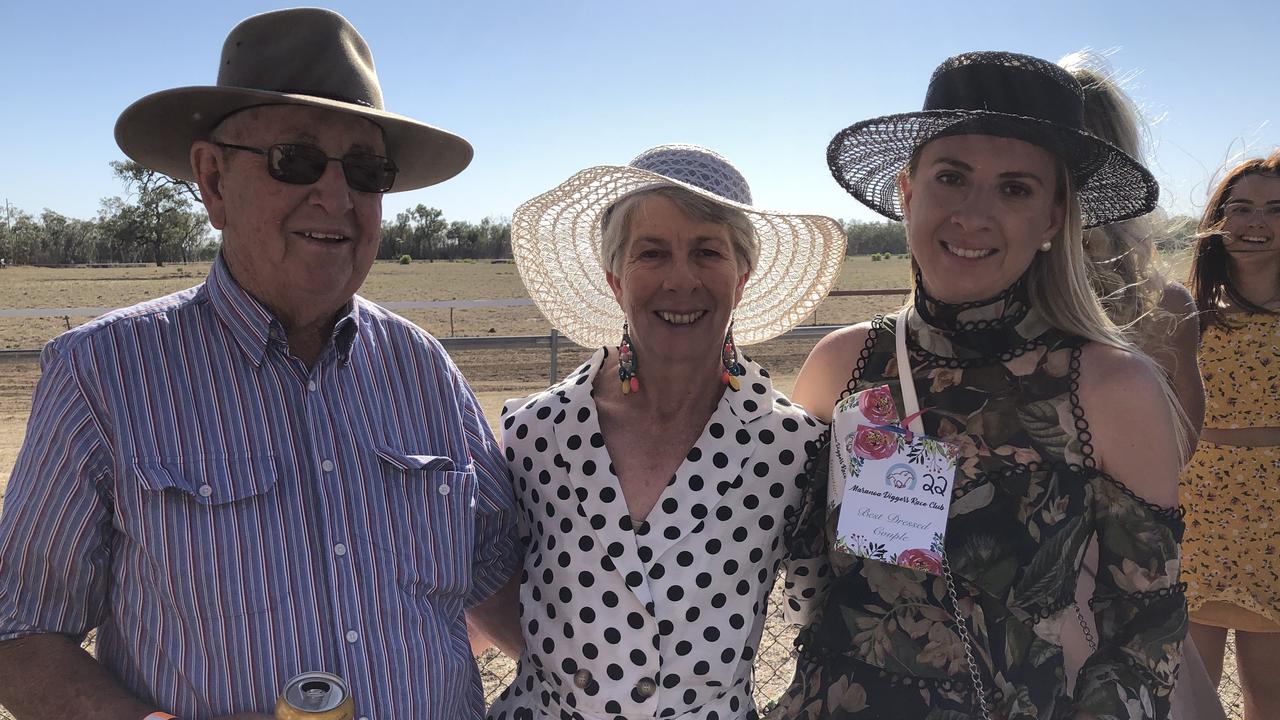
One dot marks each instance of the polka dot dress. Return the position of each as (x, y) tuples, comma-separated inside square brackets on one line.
[(659, 618)]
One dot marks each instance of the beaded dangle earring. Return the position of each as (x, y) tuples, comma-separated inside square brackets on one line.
[(627, 366), (729, 358)]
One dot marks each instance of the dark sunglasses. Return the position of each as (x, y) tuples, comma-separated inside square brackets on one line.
[(303, 164)]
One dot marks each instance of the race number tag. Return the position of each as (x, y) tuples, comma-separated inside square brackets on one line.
[(896, 484)]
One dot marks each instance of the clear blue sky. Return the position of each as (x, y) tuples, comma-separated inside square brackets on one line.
[(543, 89)]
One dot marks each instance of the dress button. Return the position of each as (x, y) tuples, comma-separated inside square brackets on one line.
[(352, 636), (311, 385), (339, 549), (582, 678), (205, 491), (443, 489), (327, 465), (646, 688)]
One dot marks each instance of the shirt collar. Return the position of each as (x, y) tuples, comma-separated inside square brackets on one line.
[(254, 327)]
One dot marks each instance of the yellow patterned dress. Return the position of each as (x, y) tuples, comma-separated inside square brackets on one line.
[(1231, 551)]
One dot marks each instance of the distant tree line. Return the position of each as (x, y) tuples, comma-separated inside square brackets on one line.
[(866, 238), (423, 233), (160, 220), (871, 238)]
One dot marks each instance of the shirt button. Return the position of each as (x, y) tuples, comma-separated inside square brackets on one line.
[(582, 678), (646, 688), (352, 636), (311, 385), (339, 549), (327, 465), (205, 491), (443, 489)]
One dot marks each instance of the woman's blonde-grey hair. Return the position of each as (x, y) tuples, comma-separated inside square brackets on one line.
[(616, 224)]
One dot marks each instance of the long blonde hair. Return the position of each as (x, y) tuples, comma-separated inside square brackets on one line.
[(1124, 268), (1058, 282)]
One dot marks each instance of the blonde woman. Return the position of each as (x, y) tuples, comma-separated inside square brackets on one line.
[(1014, 362), (1159, 316)]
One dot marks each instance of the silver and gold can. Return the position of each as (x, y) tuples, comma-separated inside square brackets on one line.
[(315, 696)]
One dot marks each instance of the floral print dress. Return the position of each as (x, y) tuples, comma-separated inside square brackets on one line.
[(994, 378), (1231, 492)]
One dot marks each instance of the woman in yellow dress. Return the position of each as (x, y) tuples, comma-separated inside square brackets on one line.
[(1231, 486)]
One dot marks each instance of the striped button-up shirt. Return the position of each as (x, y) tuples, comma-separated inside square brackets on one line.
[(228, 518)]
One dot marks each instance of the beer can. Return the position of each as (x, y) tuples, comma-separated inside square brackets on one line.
[(315, 696)]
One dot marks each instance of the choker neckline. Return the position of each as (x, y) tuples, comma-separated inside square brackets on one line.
[(996, 328)]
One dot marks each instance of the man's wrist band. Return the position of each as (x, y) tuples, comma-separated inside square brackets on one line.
[(161, 716)]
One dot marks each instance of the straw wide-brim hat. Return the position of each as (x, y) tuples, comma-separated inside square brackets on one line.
[(556, 238), (1005, 95), (302, 56)]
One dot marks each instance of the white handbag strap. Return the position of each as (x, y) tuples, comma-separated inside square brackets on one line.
[(910, 403)]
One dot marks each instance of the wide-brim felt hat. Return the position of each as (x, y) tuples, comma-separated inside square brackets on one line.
[(301, 56), (1006, 95), (556, 242)]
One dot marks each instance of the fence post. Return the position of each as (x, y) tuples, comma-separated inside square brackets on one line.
[(555, 348)]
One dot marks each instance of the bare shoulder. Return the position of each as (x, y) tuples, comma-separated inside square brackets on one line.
[(842, 342), (1106, 370), (828, 368), (1131, 421), (1177, 300)]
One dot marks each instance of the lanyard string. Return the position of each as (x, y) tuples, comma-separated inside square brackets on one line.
[(911, 406), (910, 403)]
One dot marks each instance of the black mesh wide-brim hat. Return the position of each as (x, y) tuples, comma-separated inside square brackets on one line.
[(1005, 95)]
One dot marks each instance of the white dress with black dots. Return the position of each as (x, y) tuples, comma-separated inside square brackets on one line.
[(660, 620)]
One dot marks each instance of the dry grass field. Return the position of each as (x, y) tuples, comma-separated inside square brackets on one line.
[(495, 376)]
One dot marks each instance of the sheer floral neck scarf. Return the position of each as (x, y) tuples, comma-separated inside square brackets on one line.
[(1000, 327)]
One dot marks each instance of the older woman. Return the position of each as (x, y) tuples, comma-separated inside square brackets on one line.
[(1063, 432), (660, 482)]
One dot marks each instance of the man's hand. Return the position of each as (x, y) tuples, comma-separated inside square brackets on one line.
[(86, 690)]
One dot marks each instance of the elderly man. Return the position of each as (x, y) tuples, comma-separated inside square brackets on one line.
[(265, 474)]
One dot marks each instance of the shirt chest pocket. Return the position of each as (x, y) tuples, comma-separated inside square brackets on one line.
[(430, 526), (211, 531)]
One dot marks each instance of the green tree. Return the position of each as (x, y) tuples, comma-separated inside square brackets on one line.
[(164, 205), (427, 235), (866, 238), (24, 238)]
